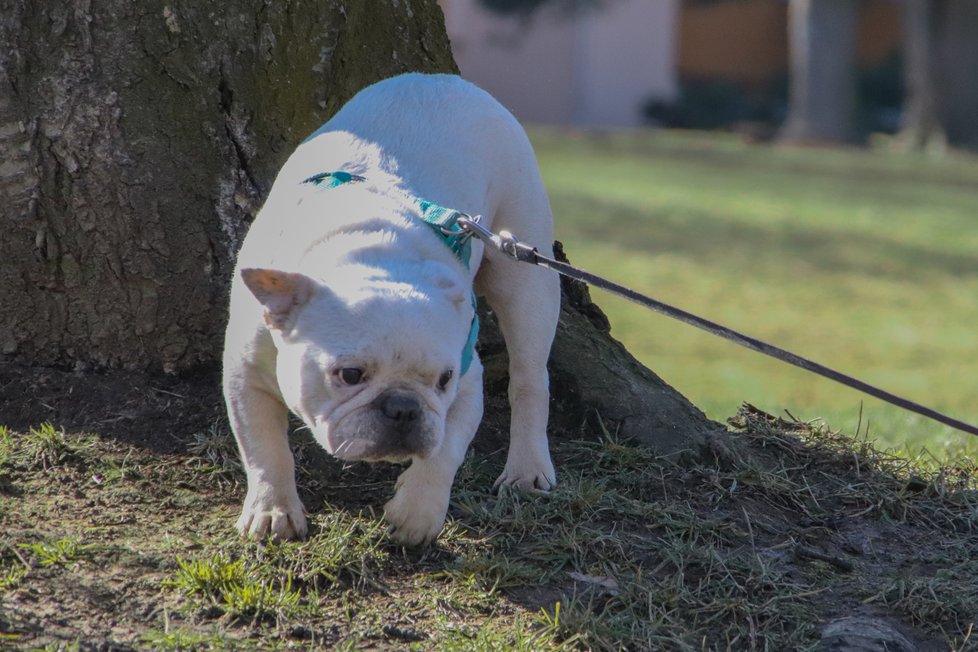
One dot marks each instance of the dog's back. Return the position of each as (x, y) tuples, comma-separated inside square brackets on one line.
[(445, 139)]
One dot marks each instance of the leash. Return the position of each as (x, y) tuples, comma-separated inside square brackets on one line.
[(508, 244)]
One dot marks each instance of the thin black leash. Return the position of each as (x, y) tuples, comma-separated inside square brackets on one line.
[(509, 245)]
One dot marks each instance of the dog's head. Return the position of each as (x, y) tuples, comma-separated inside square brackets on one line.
[(372, 366)]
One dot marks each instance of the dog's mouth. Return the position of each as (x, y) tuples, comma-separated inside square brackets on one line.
[(368, 450), (357, 450), (370, 435)]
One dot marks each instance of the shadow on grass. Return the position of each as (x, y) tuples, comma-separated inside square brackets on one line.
[(703, 237), (900, 177)]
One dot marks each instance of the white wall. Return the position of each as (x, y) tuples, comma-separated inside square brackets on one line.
[(593, 69)]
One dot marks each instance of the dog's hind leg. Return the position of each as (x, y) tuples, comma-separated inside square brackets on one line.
[(526, 301)]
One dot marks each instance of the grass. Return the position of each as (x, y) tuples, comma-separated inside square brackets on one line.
[(630, 551), (44, 446), (862, 260), (929, 599), (60, 552), (231, 587)]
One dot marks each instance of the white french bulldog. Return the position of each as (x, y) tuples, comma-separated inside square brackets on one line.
[(353, 312)]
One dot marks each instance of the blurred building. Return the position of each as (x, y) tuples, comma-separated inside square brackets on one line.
[(605, 67), (593, 68), (746, 41)]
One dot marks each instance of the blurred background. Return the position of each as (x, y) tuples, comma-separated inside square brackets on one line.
[(800, 170)]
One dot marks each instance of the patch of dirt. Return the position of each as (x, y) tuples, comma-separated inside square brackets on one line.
[(157, 412)]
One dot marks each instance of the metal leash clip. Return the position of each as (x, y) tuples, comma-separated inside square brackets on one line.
[(471, 225), (504, 241), (455, 230)]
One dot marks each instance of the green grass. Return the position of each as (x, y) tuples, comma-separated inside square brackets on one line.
[(60, 552), (630, 551), (229, 586), (44, 446), (866, 261)]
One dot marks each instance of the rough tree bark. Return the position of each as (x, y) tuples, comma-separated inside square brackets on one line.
[(822, 93), (139, 141)]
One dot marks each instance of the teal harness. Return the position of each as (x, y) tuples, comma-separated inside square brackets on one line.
[(444, 223)]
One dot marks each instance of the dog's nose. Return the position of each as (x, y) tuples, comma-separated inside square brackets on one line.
[(402, 408)]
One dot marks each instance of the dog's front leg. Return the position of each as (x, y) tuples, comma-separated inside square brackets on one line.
[(260, 423), (417, 511)]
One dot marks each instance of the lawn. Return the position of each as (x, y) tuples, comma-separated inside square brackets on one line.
[(806, 540), (863, 260)]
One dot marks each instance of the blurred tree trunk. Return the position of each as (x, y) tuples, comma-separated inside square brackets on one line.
[(921, 125), (138, 140), (941, 57), (822, 93), (957, 53)]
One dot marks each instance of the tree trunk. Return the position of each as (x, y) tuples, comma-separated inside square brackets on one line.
[(822, 94), (941, 55), (921, 126), (138, 141), (138, 146)]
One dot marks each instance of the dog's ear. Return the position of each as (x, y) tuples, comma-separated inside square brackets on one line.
[(281, 293)]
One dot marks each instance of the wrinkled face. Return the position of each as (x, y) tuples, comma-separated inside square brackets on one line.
[(374, 378)]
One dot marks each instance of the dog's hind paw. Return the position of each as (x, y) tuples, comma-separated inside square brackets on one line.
[(527, 474)]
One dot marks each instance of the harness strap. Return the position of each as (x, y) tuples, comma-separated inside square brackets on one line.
[(327, 180), (445, 223)]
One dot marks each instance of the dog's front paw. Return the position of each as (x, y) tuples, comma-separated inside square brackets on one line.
[(528, 473), (274, 516), (416, 513)]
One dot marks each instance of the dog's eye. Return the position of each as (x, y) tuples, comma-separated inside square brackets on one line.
[(444, 379), (350, 375)]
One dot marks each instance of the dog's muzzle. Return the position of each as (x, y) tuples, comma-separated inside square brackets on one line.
[(394, 426), (403, 410)]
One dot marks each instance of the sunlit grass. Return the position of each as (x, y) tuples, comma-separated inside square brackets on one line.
[(60, 552), (866, 261)]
